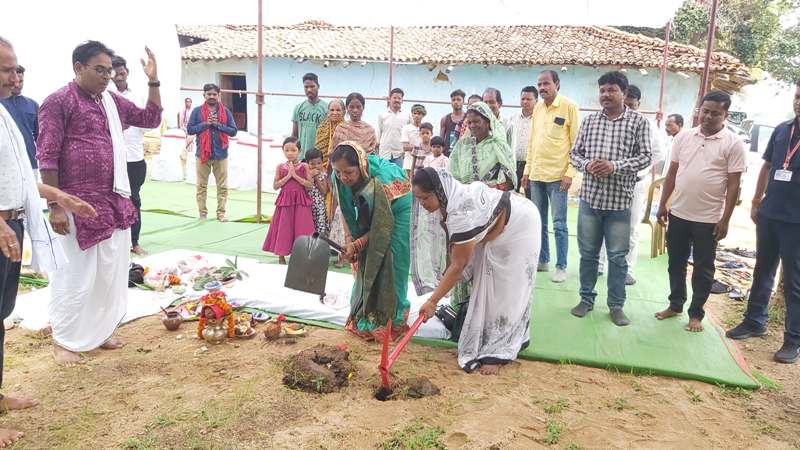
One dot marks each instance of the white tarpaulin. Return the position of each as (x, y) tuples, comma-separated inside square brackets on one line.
[(263, 289)]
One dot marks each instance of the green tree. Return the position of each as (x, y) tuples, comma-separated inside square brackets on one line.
[(748, 29)]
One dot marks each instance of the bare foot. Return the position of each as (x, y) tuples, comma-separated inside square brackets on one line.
[(66, 357), (139, 250), (14, 404), (490, 369), (666, 314), (112, 344), (8, 437), (694, 325)]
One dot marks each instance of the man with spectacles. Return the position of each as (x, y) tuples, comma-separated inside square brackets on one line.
[(82, 151)]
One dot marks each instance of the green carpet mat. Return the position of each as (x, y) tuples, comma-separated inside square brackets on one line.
[(179, 198), (646, 346)]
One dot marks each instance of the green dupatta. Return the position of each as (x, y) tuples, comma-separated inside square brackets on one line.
[(490, 153)]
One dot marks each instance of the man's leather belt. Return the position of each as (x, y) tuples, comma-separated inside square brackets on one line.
[(13, 214)]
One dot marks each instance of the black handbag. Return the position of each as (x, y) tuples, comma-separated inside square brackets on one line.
[(135, 275)]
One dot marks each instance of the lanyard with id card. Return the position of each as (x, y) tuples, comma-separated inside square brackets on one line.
[(785, 174)]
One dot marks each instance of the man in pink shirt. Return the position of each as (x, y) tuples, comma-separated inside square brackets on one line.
[(706, 164), (82, 152)]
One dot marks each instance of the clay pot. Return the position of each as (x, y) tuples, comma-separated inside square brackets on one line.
[(215, 332), (172, 320)]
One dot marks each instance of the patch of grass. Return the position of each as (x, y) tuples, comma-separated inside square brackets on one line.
[(619, 404), (572, 447), (555, 408), (766, 428), (735, 392), (147, 442), (776, 313), (694, 397), (416, 436), (554, 430)]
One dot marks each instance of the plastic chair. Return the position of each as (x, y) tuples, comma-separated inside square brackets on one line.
[(658, 240)]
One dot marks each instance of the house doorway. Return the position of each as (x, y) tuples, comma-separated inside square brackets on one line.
[(237, 103)]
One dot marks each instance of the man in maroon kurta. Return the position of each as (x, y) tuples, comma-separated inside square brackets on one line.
[(79, 152)]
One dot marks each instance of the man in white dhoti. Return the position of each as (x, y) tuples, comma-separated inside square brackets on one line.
[(19, 211), (82, 151)]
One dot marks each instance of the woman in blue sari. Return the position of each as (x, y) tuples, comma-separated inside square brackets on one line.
[(375, 199)]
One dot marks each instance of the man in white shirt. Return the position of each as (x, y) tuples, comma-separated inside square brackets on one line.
[(672, 126), (19, 211), (134, 142), (390, 125), (493, 98), (521, 126)]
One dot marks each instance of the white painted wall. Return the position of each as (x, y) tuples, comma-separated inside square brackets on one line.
[(284, 75)]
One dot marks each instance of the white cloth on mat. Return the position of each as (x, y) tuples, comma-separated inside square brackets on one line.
[(503, 272), (90, 295), (122, 185)]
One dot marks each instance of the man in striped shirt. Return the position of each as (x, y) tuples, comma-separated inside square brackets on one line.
[(612, 146)]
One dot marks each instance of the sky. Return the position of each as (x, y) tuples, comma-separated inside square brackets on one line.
[(359, 12)]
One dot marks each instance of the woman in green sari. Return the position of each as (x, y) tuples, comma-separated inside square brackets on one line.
[(375, 199), (483, 154)]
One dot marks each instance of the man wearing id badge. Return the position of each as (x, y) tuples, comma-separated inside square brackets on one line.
[(777, 219)]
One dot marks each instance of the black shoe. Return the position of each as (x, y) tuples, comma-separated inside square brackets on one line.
[(581, 309), (744, 331), (618, 317), (788, 354)]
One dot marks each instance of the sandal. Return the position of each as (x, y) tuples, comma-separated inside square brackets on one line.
[(719, 287)]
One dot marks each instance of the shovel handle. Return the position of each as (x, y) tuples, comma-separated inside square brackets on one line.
[(333, 245), (402, 344)]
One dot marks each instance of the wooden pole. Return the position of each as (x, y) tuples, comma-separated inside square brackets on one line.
[(391, 59), (712, 28), (664, 63), (260, 107)]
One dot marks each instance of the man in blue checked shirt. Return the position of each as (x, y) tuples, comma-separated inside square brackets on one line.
[(612, 146)]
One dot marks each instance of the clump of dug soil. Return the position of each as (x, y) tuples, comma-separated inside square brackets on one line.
[(322, 369), (412, 388)]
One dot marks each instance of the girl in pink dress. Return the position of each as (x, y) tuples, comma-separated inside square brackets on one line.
[(292, 217)]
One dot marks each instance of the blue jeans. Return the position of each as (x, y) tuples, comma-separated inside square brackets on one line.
[(398, 161), (776, 241), (594, 226), (542, 194)]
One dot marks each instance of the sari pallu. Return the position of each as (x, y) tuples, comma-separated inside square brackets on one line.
[(502, 271), (381, 210)]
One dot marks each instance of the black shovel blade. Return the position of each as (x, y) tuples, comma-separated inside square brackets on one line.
[(308, 265)]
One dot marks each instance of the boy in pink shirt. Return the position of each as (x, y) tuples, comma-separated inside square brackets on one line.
[(706, 165)]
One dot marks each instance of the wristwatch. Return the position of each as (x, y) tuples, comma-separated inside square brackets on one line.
[(154, 83)]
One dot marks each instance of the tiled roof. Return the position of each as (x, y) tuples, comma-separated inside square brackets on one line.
[(523, 45)]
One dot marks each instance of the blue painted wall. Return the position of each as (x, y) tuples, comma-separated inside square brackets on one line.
[(284, 75)]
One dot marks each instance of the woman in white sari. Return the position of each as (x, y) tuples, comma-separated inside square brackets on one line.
[(493, 239)]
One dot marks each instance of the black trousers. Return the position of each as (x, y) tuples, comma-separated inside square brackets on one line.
[(9, 282), (682, 237), (137, 172)]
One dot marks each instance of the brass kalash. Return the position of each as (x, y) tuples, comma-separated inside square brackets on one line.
[(308, 264)]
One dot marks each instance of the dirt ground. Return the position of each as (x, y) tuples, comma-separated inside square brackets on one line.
[(164, 391)]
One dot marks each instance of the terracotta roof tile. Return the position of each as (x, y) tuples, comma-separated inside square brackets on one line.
[(524, 45)]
